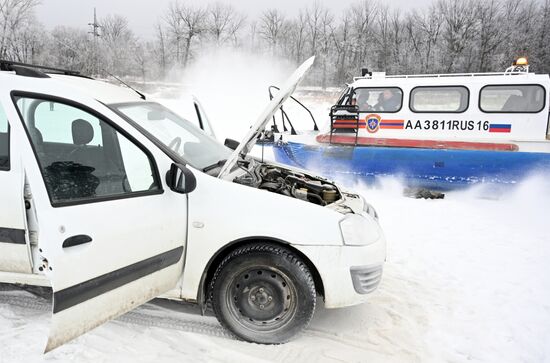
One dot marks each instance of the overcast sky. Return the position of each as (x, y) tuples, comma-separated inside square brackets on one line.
[(142, 15)]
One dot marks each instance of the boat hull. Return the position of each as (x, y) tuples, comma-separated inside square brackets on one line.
[(438, 169)]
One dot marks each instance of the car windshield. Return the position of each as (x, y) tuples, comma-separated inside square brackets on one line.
[(192, 144)]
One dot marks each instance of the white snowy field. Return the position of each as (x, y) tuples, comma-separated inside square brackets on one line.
[(467, 279)]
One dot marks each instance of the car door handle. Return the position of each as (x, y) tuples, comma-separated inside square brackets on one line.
[(77, 240)]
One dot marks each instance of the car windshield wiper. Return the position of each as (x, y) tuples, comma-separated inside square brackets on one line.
[(217, 164)]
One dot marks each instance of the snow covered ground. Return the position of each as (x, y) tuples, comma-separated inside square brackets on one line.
[(467, 279)]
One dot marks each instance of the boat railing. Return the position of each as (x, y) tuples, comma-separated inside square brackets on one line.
[(447, 75), (284, 115), (344, 118)]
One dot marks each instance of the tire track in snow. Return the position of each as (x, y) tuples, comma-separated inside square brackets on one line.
[(25, 302), (137, 317), (140, 316), (149, 315)]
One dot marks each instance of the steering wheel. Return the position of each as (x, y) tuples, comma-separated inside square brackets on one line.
[(175, 144)]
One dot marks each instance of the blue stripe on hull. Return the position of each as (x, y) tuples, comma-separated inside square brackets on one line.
[(430, 168)]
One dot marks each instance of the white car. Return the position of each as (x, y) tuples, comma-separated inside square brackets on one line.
[(113, 200)]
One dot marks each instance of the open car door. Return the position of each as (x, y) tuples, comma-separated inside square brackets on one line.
[(202, 118), (111, 235), (14, 241)]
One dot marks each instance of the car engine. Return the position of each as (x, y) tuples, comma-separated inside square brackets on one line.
[(283, 181)]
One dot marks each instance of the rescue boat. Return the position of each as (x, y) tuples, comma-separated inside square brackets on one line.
[(437, 131)]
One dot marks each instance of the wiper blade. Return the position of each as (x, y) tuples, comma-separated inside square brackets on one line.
[(215, 165)]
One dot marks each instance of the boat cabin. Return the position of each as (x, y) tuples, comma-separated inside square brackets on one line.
[(416, 110)]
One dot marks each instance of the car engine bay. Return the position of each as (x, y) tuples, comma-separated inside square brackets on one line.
[(286, 182)]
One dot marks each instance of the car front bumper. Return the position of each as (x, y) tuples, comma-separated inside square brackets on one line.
[(349, 273)]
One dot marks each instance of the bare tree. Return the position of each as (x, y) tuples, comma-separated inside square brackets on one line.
[(141, 58), (342, 46), (314, 16), (397, 39), (252, 39), (14, 14), (70, 48), (271, 28), (362, 16), (429, 26), (298, 36), (224, 22), (160, 51), (186, 23), (27, 43), (446, 36), (325, 47), (459, 30), (118, 43), (542, 52), (490, 35), (383, 37)]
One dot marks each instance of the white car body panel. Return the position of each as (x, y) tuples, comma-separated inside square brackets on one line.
[(334, 264), (227, 213)]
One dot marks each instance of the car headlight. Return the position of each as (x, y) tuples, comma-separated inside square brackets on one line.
[(359, 230)]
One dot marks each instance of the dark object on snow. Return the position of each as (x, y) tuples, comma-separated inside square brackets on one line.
[(422, 193)]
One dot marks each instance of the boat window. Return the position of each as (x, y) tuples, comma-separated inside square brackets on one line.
[(512, 98), (379, 99), (439, 99)]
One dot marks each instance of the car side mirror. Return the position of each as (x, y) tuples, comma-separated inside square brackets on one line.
[(232, 144), (180, 179)]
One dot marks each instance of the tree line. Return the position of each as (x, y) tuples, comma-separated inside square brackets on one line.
[(446, 36)]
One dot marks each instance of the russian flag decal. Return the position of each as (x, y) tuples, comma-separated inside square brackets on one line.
[(500, 128)]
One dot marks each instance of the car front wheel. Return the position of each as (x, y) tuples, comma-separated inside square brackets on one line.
[(263, 293)]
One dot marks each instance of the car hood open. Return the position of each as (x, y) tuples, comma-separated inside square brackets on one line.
[(250, 139)]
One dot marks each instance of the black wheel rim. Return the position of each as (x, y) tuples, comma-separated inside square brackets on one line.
[(262, 299)]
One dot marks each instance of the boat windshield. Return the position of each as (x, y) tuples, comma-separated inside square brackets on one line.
[(188, 141)]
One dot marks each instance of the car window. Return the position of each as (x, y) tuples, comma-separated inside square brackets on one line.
[(382, 99), (439, 99), (512, 98), (196, 147), (82, 157), (4, 141), (54, 121)]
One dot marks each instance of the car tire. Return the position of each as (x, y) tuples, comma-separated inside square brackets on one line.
[(263, 293)]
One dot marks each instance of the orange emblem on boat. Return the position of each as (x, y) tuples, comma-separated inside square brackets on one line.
[(373, 123)]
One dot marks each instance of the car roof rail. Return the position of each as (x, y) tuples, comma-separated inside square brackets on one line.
[(33, 70)]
